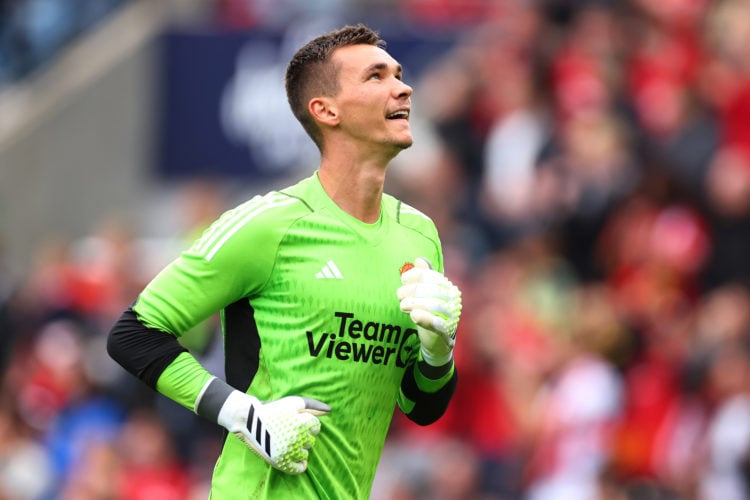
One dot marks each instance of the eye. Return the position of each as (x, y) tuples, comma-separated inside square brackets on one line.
[(374, 76)]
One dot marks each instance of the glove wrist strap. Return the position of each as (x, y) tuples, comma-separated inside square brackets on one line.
[(213, 400)]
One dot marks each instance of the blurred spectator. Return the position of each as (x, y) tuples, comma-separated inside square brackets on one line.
[(576, 410), (447, 93), (723, 316), (724, 475), (139, 464), (676, 126), (726, 78), (664, 62), (585, 65), (97, 474), (454, 472), (150, 468), (588, 174), (652, 256), (517, 131), (25, 469), (728, 210)]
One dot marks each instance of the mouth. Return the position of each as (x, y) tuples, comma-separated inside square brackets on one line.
[(401, 114)]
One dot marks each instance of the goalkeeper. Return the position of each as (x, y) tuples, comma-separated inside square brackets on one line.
[(333, 303)]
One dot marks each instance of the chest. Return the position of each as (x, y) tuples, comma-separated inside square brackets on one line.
[(334, 267), (335, 293)]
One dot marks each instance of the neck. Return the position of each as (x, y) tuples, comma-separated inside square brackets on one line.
[(354, 183)]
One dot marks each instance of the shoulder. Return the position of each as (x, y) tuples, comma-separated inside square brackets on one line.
[(421, 227), (408, 216), (259, 219)]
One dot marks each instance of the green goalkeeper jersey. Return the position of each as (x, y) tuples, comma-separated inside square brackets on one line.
[(307, 295)]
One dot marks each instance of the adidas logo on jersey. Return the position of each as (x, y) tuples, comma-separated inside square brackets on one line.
[(330, 271)]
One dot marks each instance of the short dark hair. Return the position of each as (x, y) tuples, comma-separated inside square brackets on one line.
[(310, 72)]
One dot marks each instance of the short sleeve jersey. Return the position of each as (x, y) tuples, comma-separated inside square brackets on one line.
[(309, 308)]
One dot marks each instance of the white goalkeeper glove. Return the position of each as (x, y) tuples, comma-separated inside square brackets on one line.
[(281, 432), (434, 304)]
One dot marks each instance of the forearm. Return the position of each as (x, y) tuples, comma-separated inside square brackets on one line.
[(426, 391), (158, 359)]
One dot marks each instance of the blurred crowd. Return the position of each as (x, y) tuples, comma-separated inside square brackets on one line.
[(588, 166)]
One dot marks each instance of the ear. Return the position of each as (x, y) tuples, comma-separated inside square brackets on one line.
[(324, 111)]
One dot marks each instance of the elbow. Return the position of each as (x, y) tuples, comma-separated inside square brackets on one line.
[(117, 339), (424, 419), (142, 351)]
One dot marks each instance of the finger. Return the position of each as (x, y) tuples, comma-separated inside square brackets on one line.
[(441, 291), (296, 455), (416, 290), (308, 421), (425, 276), (435, 292), (300, 454), (308, 442), (314, 407), (422, 263), (429, 321), (432, 305), (297, 467), (413, 275), (289, 403), (405, 291)]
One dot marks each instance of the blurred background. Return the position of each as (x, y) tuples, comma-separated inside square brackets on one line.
[(586, 161)]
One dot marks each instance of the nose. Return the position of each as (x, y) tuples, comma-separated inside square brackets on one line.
[(402, 89)]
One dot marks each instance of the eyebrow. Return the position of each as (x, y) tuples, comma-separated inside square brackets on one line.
[(382, 66)]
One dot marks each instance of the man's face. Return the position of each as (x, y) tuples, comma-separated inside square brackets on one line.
[(373, 102)]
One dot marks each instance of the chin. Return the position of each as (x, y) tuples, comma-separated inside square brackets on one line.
[(404, 143), (398, 144)]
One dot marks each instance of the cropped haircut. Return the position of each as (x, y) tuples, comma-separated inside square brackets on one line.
[(310, 72)]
